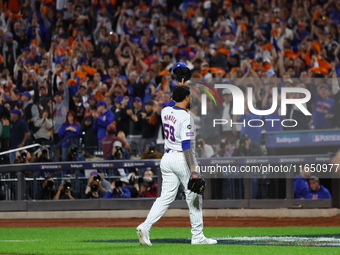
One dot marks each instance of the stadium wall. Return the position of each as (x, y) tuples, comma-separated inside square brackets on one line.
[(95, 214)]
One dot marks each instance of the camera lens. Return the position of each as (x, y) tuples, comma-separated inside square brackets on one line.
[(199, 144), (118, 184), (94, 187), (97, 178), (74, 150), (50, 184), (67, 186)]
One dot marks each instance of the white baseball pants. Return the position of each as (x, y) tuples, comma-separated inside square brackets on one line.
[(175, 171)]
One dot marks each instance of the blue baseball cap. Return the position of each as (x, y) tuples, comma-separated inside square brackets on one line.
[(181, 70), (25, 49), (27, 94), (119, 99), (16, 111), (58, 60), (123, 77), (92, 98), (137, 99), (100, 103)]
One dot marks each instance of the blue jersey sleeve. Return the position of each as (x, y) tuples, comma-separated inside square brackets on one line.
[(186, 144), (171, 103)]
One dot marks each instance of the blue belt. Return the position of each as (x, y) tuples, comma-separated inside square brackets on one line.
[(168, 150)]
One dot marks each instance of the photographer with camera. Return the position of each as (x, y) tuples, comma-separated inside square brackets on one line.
[(130, 184), (147, 186), (43, 155), (75, 155), (99, 177), (203, 150), (48, 191), (150, 152), (118, 191), (245, 147), (65, 191), (94, 188), (109, 140), (225, 150), (22, 157), (118, 153)]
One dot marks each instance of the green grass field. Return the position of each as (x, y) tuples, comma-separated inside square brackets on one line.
[(81, 241)]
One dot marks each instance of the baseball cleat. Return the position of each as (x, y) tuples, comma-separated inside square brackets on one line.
[(143, 236), (205, 241)]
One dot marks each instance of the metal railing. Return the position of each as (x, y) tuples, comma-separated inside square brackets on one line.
[(21, 148)]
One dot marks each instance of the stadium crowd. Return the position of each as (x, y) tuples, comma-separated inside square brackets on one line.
[(101, 69)]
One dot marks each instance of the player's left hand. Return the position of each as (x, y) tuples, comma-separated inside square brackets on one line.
[(196, 183)]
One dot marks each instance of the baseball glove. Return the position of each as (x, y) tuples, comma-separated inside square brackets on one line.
[(196, 183)]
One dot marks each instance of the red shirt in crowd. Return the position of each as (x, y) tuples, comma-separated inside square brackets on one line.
[(107, 144), (151, 191)]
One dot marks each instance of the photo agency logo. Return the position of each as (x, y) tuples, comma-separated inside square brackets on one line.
[(239, 100), (205, 88)]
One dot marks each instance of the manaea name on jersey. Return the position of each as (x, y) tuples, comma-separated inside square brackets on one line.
[(170, 118)]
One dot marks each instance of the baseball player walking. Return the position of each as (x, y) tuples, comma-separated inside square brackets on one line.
[(178, 166)]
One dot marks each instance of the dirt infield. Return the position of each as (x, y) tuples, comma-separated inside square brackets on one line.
[(174, 222)]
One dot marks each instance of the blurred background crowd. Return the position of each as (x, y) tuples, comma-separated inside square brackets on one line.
[(96, 74)]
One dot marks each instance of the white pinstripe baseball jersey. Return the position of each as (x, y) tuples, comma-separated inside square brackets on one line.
[(179, 129)]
